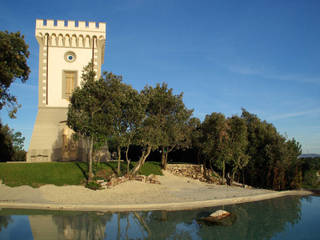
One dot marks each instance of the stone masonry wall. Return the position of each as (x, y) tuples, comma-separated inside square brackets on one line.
[(194, 171)]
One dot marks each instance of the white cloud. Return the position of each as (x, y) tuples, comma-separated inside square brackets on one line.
[(294, 114), (263, 72), (245, 69)]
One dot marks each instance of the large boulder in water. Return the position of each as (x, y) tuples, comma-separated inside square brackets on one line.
[(219, 214), (220, 217)]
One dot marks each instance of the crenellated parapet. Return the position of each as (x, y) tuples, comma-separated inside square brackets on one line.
[(73, 34)]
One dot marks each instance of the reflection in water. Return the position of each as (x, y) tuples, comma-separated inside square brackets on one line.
[(4, 221), (259, 220), (71, 226)]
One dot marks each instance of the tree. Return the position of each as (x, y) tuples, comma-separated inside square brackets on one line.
[(148, 138), (310, 168), (126, 110), (6, 146), (150, 133), (86, 114), (13, 64), (11, 145), (215, 141), (274, 161), (177, 131), (133, 113), (238, 141), (171, 115), (112, 111), (195, 136)]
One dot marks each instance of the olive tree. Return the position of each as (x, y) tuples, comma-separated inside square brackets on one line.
[(238, 140), (13, 65), (215, 141), (86, 112)]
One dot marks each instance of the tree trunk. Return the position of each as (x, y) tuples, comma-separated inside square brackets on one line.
[(163, 158), (243, 183), (166, 160), (223, 171), (141, 161), (143, 223), (90, 174), (127, 159), (119, 227), (127, 227), (119, 160), (198, 156), (205, 174)]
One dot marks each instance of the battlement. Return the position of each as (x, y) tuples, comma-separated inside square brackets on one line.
[(70, 25)]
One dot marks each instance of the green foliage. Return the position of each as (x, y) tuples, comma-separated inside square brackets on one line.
[(93, 108), (85, 113), (310, 178), (11, 145), (7, 150), (238, 143), (310, 168), (274, 161), (37, 174), (93, 185), (215, 141), (168, 117), (13, 64), (250, 149)]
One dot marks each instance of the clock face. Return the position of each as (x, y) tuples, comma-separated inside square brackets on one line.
[(70, 56)]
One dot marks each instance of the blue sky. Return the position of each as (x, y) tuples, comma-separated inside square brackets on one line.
[(263, 56)]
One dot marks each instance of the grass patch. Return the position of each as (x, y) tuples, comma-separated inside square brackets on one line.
[(37, 174), (64, 173), (151, 168), (111, 168)]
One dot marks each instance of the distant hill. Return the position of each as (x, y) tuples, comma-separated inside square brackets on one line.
[(309, 155)]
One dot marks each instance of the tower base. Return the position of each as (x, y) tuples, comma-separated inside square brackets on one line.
[(49, 141)]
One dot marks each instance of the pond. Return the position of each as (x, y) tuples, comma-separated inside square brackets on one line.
[(281, 218)]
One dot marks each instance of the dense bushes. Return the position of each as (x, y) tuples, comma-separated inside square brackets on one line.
[(250, 150), (11, 145), (310, 169)]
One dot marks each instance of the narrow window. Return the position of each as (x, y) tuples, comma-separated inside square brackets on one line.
[(69, 83)]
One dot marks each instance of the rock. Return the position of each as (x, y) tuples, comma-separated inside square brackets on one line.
[(139, 178), (151, 176), (103, 184), (194, 171), (219, 217), (220, 214)]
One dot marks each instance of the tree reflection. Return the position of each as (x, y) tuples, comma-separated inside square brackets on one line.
[(257, 220), (4, 222)]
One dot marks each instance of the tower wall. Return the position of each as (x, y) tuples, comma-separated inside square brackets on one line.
[(65, 47)]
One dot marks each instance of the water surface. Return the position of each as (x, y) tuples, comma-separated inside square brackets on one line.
[(281, 218)]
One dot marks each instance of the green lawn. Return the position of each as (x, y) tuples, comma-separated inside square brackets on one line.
[(58, 173), (37, 174)]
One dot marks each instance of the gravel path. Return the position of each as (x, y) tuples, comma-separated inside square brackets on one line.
[(174, 191)]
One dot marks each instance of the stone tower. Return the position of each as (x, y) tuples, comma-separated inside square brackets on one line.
[(65, 47)]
